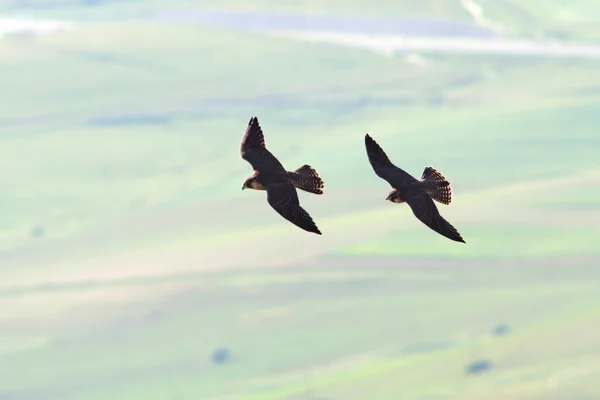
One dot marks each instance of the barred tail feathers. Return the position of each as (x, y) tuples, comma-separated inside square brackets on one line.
[(306, 178), (437, 186)]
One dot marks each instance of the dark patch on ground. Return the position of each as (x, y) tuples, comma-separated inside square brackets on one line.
[(37, 231), (501, 330), (220, 356), (478, 367)]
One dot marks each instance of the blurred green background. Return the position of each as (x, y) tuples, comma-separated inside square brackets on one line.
[(129, 255)]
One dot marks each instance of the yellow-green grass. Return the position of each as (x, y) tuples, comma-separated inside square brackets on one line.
[(121, 142), (352, 333)]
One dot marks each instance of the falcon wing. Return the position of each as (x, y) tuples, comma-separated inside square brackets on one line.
[(284, 199), (382, 165), (253, 150), (425, 210)]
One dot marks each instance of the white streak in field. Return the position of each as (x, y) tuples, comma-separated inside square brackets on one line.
[(30, 26), (479, 18), (395, 43)]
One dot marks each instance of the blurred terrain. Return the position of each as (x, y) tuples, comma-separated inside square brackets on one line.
[(129, 254)]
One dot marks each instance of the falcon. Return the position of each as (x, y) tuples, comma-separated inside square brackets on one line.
[(417, 193), (279, 184)]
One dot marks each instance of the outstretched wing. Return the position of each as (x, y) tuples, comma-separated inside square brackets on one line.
[(282, 196), (382, 165), (425, 210), (253, 150)]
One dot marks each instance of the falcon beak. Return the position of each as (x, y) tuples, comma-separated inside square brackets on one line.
[(243, 187)]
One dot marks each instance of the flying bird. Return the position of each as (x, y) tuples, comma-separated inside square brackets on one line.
[(280, 184), (417, 193)]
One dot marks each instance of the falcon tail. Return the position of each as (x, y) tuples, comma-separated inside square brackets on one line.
[(306, 178), (436, 185)]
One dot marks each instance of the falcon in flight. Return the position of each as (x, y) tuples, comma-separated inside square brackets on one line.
[(418, 194), (280, 184)]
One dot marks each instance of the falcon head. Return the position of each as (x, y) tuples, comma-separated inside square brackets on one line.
[(252, 183), (394, 197)]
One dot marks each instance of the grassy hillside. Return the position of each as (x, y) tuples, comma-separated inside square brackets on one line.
[(129, 251)]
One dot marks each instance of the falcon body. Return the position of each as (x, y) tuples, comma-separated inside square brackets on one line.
[(280, 185), (419, 194)]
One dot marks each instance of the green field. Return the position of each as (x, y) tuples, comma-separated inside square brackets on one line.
[(128, 252)]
